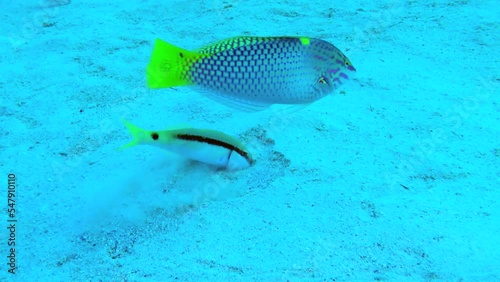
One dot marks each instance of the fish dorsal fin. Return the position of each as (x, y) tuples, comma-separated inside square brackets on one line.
[(233, 102), (230, 43), (240, 41)]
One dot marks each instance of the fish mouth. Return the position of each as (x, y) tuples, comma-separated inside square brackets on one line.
[(351, 68)]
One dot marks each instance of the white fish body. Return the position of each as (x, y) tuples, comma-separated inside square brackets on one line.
[(204, 145)]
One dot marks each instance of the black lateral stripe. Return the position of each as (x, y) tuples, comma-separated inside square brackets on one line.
[(214, 142)]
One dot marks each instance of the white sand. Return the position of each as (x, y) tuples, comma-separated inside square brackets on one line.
[(396, 180)]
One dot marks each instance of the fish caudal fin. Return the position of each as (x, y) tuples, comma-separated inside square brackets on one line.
[(137, 133), (168, 65)]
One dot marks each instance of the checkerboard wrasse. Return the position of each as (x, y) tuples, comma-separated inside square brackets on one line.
[(253, 73), (204, 145)]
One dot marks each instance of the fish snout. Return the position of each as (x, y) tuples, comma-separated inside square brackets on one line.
[(237, 162)]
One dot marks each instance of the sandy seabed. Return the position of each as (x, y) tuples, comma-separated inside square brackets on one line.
[(395, 180)]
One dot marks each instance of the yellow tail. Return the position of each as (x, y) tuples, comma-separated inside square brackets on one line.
[(169, 65), (139, 135)]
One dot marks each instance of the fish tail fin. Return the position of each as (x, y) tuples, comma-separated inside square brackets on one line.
[(169, 65), (137, 133)]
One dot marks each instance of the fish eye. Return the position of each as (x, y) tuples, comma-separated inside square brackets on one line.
[(322, 80), (347, 63)]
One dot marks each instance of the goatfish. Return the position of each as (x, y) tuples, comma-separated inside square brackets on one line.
[(253, 73), (204, 145)]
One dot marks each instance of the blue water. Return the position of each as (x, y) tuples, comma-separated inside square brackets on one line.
[(395, 179)]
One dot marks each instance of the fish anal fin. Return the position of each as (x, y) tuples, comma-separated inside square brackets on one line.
[(233, 102)]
